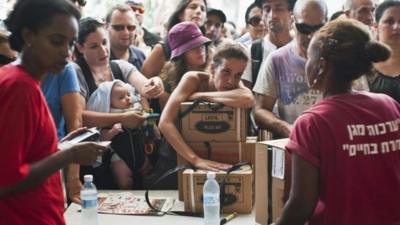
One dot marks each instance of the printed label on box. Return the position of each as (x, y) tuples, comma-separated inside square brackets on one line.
[(210, 122), (278, 163)]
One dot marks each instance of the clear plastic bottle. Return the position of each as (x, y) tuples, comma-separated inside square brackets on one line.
[(89, 202), (211, 200)]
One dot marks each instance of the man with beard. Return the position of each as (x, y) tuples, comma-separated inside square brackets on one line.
[(284, 82), (121, 25), (277, 17)]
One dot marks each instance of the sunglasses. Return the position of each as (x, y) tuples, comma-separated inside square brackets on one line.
[(307, 29), (119, 27), (254, 21), (80, 2)]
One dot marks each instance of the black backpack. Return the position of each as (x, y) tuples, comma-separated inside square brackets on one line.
[(256, 59)]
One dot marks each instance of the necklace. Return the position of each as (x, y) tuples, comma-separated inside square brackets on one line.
[(102, 76)]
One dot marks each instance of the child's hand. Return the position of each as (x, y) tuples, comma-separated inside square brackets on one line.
[(109, 134)]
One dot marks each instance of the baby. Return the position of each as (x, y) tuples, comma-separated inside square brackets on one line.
[(119, 97)]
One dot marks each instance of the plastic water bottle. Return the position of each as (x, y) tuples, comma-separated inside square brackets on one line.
[(89, 202), (211, 200)]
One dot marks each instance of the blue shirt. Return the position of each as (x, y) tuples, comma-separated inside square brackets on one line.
[(136, 57), (56, 86)]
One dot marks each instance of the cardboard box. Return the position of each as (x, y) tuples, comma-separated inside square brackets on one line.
[(222, 152), (272, 189), (238, 189), (226, 152), (208, 122)]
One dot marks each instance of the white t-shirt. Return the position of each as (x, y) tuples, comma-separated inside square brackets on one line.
[(284, 78), (268, 47)]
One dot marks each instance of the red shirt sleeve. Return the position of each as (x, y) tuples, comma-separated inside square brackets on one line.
[(304, 139), (18, 116)]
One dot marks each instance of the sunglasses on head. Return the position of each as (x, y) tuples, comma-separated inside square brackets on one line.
[(138, 9), (307, 29), (254, 21), (119, 27)]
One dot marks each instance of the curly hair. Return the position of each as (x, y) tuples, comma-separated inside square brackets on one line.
[(173, 70)]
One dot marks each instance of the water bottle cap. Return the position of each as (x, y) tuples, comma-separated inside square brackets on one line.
[(88, 178), (211, 175)]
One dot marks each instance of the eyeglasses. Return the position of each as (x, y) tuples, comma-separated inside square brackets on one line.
[(307, 29), (254, 21), (120, 27)]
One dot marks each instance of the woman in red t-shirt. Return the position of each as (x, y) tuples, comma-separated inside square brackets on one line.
[(346, 148), (43, 31)]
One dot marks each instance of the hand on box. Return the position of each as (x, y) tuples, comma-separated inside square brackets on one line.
[(211, 165)]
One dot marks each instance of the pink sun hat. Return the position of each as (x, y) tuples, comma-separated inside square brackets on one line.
[(185, 36)]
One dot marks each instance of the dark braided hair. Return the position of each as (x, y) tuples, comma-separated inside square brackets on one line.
[(347, 44)]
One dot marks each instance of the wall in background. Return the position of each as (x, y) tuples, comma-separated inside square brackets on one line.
[(158, 11)]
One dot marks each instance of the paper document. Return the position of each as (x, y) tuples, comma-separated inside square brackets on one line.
[(127, 203)]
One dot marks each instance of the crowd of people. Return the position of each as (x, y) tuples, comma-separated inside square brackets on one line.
[(332, 86)]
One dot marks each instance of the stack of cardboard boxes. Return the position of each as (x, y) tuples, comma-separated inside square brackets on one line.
[(217, 133), (273, 183)]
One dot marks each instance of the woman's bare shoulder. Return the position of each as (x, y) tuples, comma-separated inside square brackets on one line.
[(197, 75)]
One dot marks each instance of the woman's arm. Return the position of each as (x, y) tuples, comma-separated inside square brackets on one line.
[(99, 119), (148, 88), (83, 153), (72, 111), (186, 87), (240, 97), (163, 99), (303, 194), (154, 62)]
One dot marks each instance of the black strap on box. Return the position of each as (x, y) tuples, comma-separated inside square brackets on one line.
[(166, 174), (224, 199), (212, 106)]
